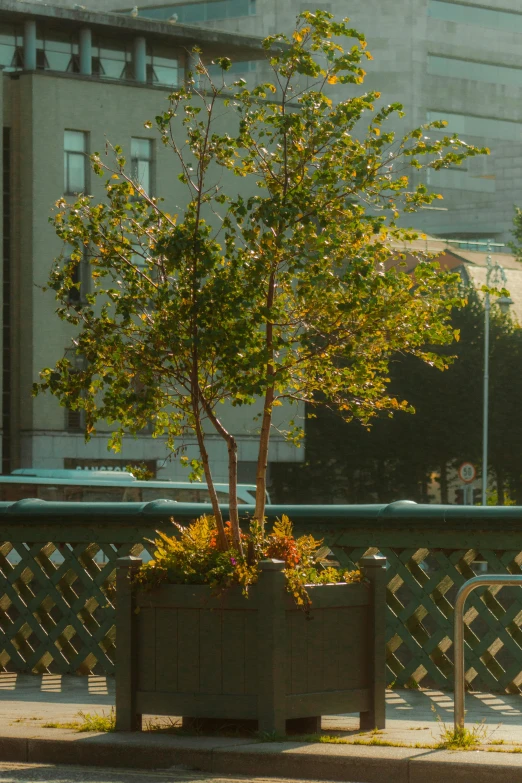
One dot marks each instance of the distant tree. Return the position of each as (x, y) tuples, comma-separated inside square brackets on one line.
[(396, 457)]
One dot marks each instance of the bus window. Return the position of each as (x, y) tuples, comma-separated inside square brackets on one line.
[(168, 493), (14, 492), (223, 497), (132, 495), (49, 491), (99, 494)]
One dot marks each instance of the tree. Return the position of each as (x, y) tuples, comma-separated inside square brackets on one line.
[(293, 298), (396, 457)]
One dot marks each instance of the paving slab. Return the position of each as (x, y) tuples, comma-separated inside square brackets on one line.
[(411, 715), (28, 702)]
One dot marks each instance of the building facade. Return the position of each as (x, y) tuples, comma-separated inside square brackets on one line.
[(72, 80), (442, 59)]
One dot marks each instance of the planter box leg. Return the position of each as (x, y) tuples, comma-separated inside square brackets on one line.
[(126, 717), (374, 569), (271, 697)]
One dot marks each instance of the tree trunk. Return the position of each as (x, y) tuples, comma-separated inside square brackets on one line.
[(262, 460), (222, 539), (264, 439), (232, 472), (232, 493)]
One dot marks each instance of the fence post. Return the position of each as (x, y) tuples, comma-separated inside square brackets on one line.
[(126, 717), (271, 648), (374, 569)]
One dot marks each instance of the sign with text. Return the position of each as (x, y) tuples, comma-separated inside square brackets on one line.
[(118, 465), (467, 472)]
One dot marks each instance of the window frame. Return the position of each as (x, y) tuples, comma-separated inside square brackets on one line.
[(137, 159), (76, 153)]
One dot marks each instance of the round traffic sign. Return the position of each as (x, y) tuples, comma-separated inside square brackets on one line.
[(467, 472)]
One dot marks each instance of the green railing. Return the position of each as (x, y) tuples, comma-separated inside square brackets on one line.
[(57, 571)]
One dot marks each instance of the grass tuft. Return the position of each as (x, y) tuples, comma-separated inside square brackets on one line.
[(95, 722), (88, 722), (460, 738)]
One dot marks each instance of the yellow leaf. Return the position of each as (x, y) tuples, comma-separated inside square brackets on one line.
[(333, 79), (114, 176)]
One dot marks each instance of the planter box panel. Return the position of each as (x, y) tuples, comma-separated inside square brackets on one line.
[(303, 705), (188, 651), (313, 648), (329, 651), (198, 705), (234, 644), (191, 597), (146, 643), (166, 653), (331, 596), (210, 652), (196, 650)]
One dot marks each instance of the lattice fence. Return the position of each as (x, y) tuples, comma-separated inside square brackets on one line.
[(422, 587), (57, 596), (57, 606)]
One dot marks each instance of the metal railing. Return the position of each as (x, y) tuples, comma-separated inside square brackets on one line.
[(496, 580), (57, 568)]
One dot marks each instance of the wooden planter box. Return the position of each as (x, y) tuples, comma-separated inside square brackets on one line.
[(182, 651)]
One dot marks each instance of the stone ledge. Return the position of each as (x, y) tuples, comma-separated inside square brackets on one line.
[(365, 764)]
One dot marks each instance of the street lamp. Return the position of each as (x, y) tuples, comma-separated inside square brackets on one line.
[(494, 274)]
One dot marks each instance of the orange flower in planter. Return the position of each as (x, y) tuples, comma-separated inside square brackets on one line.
[(283, 548)]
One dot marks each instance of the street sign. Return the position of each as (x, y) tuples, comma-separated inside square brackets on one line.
[(467, 472)]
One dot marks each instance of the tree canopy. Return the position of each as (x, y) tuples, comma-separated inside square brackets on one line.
[(278, 295), (397, 457)]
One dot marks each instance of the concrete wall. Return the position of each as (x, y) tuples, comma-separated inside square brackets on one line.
[(402, 37), (39, 107)]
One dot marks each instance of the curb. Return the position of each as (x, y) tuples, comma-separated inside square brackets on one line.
[(363, 764)]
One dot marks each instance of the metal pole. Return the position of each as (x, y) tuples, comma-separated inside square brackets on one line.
[(500, 580), (487, 306)]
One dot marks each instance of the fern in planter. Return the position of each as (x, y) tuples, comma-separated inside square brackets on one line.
[(194, 557)]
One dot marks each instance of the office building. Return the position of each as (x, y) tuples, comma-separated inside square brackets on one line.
[(442, 59), (73, 79)]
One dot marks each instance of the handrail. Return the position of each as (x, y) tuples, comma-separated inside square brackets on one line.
[(380, 513), (500, 580)]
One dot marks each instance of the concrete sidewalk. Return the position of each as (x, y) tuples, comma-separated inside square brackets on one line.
[(404, 752), (411, 716)]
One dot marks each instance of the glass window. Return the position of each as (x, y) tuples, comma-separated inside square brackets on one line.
[(11, 42), (461, 180), (485, 127), (474, 71), (475, 14), (50, 492), (240, 66), (99, 494), (141, 163), (111, 61), (59, 50), (162, 65), (75, 162)]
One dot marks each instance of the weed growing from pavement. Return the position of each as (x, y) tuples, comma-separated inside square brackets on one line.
[(460, 737), (88, 722)]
